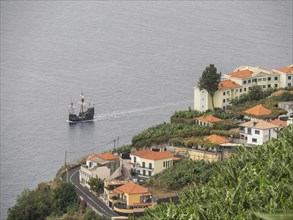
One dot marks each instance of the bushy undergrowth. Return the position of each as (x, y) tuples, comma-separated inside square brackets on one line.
[(162, 133), (182, 174), (257, 180)]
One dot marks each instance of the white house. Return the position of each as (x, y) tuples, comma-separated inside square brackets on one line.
[(286, 76), (147, 163), (257, 131), (104, 166)]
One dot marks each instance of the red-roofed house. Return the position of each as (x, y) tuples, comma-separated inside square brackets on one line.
[(103, 166), (258, 131), (286, 75), (131, 198), (147, 163), (207, 120), (257, 111)]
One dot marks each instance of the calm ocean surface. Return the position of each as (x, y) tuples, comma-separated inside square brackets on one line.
[(137, 61)]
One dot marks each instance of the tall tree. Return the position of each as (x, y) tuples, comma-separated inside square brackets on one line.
[(209, 81)]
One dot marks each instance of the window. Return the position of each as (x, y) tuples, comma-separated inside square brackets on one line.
[(269, 78), (143, 172), (254, 140), (134, 159), (240, 90), (276, 78), (202, 91), (289, 84), (259, 79), (276, 85), (256, 131), (269, 85), (264, 86), (228, 92), (202, 99), (264, 79), (164, 164), (236, 90), (244, 82), (150, 165), (289, 77), (244, 89), (143, 164), (150, 173), (224, 100), (224, 93), (249, 81)]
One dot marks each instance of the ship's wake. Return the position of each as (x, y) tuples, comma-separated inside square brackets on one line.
[(120, 114)]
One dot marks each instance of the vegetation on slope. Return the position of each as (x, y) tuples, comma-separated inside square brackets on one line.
[(162, 133), (182, 174), (257, 180), (46, 203)]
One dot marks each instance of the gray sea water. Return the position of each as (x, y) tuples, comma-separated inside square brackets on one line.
[(137, 61)]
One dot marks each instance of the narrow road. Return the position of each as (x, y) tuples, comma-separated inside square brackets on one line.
[(90, 198)]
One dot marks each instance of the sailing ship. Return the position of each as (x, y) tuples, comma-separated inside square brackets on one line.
[(87, 111)]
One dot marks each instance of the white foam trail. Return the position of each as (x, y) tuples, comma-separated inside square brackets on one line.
[(102, 117)]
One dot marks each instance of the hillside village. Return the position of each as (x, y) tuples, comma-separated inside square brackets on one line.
[(252, 105)]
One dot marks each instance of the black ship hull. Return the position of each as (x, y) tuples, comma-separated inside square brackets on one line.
[(85, 116)]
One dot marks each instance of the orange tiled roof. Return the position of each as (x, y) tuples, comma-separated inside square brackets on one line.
[(131, 188), (259, 124), (108, 156), (258, 110), (157, 155), (216, 139), (279, 92), (278, 122), (228, 84), (241, 74), (208, 118), (141, 152), (288, 69), (92, 157)]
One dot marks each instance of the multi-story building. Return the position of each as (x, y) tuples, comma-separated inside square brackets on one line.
[(286, 76), (257, 131), (147, 163), (109, 186), (131, 198), (103, 166), (235, 84)]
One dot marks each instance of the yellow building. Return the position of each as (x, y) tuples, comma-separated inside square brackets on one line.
[(237, 83), (131, 198)]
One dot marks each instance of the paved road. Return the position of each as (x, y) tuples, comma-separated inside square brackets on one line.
[(90, 198)]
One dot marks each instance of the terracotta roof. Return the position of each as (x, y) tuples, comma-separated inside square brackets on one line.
[(279, 92), (108, 156), (241, 74), (259, 124), (278, 122), (92, 157), (208, 118), (288, 69), (216, 139), (141, 153), (258, 110), (131, 188), (228, 84), (114, 182), (157, 155)]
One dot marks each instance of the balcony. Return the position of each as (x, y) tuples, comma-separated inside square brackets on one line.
[(145, 168)]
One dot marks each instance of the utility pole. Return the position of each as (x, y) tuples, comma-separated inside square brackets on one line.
[(66, 166), (114, 144), (117, 141)]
